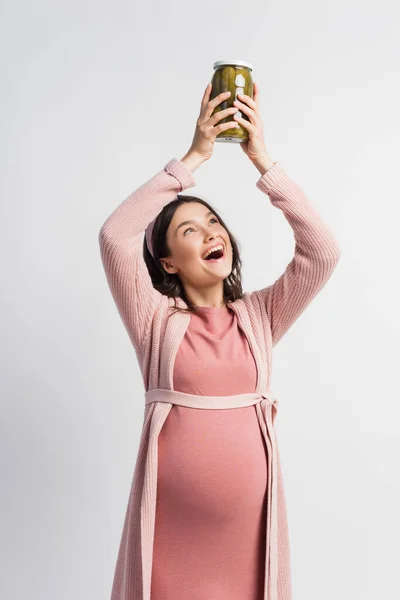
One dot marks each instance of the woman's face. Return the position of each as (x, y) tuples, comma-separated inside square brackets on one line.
[(192, 231)]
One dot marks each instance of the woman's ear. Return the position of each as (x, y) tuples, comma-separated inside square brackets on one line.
[(168, 266)]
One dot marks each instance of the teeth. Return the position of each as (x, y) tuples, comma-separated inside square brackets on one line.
[(220, 247)]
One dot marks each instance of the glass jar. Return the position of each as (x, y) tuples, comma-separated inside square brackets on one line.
[(233, 76)]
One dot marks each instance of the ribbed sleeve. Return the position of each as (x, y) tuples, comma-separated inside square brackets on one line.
[(121, 247), (315, 257)]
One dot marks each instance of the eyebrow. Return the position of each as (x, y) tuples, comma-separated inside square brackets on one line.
[(191, 221)]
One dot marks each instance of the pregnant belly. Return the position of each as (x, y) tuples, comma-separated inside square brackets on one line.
[(212, 468)]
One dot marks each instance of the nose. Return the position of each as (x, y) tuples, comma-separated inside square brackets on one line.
[(211, 236)]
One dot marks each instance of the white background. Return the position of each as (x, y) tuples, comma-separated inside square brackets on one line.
[(97, 98)]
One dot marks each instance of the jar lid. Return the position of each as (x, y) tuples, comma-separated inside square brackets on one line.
[(240, 63)]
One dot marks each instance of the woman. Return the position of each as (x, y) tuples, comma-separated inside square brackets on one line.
[(206, 517)]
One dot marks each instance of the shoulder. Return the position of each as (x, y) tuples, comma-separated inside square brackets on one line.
[(255, 308)]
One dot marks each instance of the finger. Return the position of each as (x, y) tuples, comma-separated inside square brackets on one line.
[(249, 126), (222, 114), (206, 94), (247, 111), (250, 101), (204, 102), (224, 127), (255, 92), (220, 99), (207, 105)]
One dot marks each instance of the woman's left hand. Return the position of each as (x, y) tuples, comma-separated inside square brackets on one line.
[(254, 147)]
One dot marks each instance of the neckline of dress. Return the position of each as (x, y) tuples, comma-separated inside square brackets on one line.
[(210, 309)]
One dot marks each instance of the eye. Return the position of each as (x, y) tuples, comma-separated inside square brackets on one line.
[(212, 219)]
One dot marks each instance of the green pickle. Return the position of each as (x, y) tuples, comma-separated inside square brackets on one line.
[(233, 76)]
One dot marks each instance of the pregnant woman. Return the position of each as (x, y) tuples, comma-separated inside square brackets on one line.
[(206, 515)]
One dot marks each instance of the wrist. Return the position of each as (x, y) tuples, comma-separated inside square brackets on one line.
[(263, 163), (192, 160)]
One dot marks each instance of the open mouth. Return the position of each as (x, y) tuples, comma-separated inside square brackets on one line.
[(215, 256)]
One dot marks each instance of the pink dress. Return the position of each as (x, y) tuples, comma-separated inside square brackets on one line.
[(209, 539)]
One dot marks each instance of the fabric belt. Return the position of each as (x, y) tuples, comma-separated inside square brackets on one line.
[(266, 407)]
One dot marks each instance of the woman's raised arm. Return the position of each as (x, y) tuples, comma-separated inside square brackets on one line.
[(315, 257), (121, 246)]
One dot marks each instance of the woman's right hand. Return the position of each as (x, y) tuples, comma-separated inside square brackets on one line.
[(206, 131)]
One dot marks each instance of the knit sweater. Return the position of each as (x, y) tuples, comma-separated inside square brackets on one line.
[(265, 315)]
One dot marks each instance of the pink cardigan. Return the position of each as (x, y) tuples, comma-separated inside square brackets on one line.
[(264, 315)]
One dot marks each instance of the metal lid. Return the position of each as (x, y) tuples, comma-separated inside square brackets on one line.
[(240, 63)]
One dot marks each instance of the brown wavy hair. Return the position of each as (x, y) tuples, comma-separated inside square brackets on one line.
[(170, 284)]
